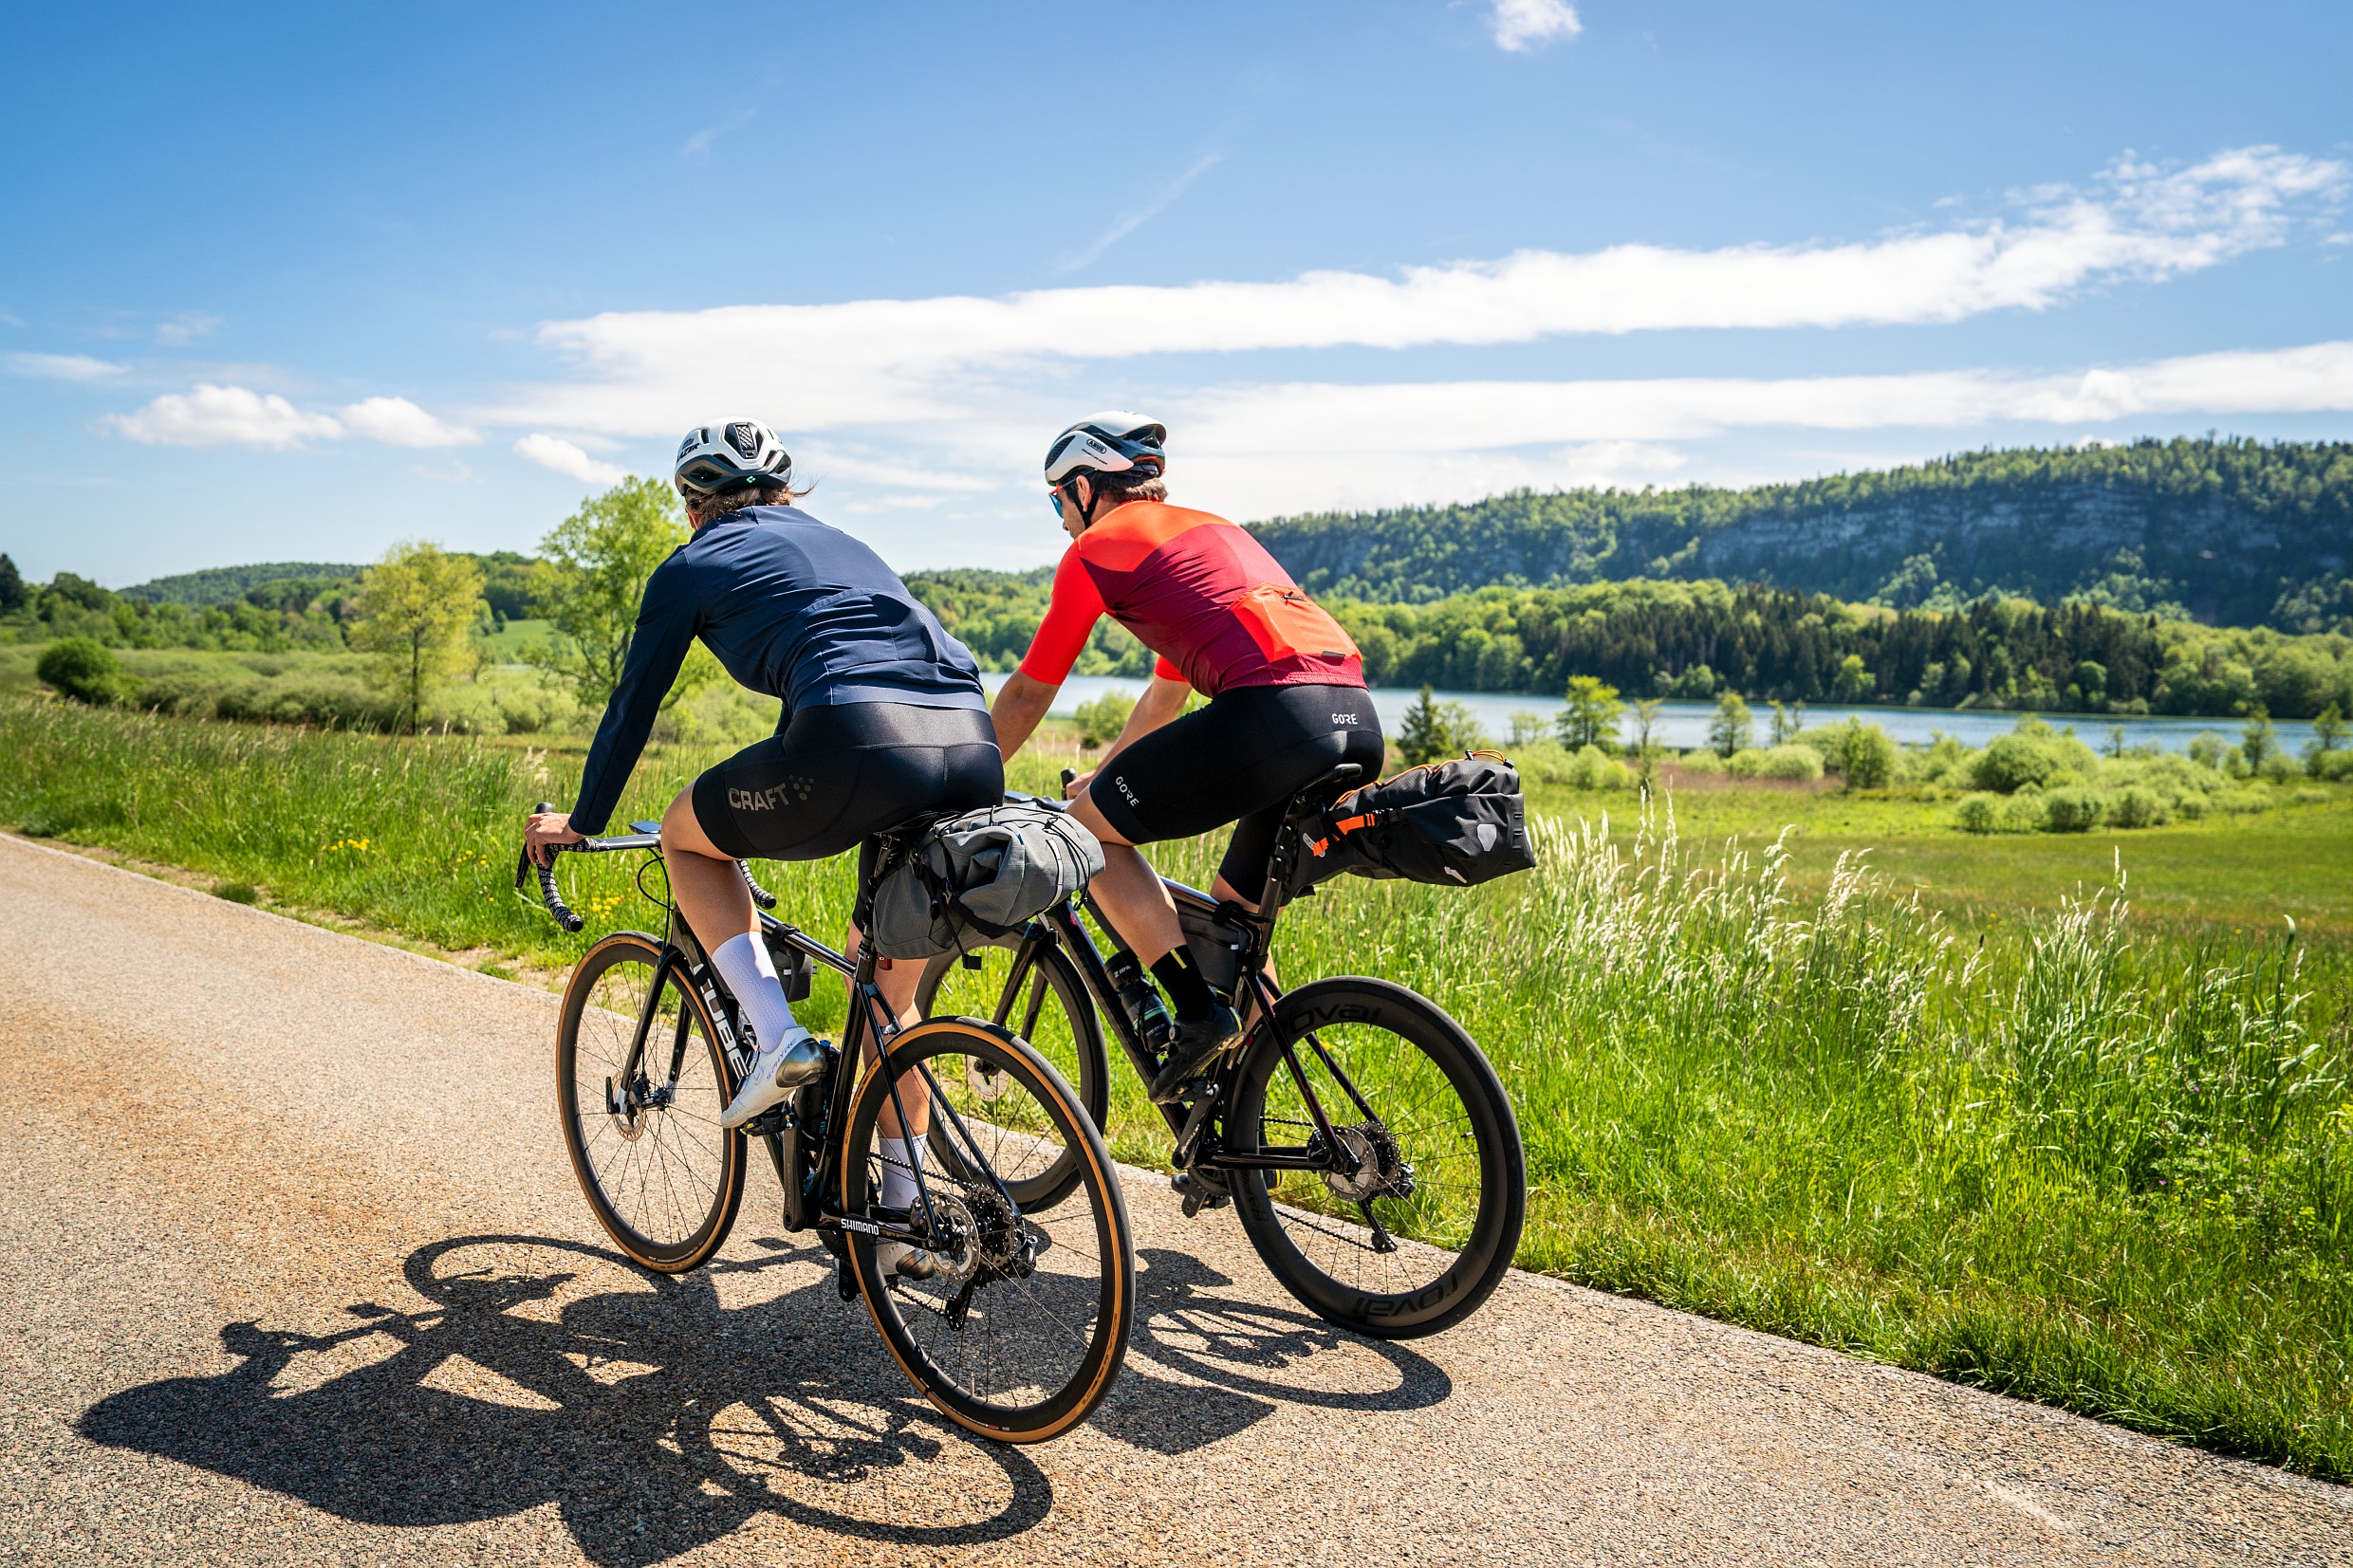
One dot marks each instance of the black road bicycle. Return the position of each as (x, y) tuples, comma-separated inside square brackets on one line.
[(1018, 1334), (1363, 1139)]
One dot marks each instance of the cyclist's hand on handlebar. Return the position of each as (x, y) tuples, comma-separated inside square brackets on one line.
[(544, 832)]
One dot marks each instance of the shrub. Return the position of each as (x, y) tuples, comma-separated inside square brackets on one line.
[(2073, 809), (1701, 761), (1975, 813), (2279, 768), (1591, 769), (2336, 767), (2134, 806), (83, 670), (1101, 721), (1778, 762), (2031, 754)]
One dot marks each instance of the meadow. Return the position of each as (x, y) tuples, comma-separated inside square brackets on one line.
[(1960, 1104)]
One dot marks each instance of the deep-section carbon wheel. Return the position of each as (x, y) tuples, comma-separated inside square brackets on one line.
[(640, 1108), (1417, 1220), (1049, 1010), (1020, 1331)]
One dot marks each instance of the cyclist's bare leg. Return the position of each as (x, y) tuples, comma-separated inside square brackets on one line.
[(709, 887), (1129, 889), (897, 982)]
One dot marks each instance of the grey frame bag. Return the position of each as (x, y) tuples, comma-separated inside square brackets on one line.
[(981, 875)]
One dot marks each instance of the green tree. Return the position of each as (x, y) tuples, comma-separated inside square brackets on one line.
[(415, 611), (83, 670), (1732, 729), (1591, 716), (11, 586), (1434, 729), (598, 561), (1788, 721), (2328, 732), (1528, 729), (1854, 682), (1101, 721), (2258, 739)]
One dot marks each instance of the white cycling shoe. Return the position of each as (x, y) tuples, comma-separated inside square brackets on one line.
[(776, 1072)]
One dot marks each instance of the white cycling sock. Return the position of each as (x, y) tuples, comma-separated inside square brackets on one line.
[(898, 1172), (744, 963)]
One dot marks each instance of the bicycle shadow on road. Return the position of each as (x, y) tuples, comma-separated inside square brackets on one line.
[(653, 1416), (657, 1417), (1243, 1360)]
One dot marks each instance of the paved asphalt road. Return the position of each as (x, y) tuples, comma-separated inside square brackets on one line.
[(293, 1270)]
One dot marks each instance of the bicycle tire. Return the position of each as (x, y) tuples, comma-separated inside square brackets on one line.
[(1466, 1254), (690, 1153), (1077, 1037), (1084, 1271)]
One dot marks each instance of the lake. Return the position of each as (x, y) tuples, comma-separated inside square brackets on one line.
[(1684, 724)]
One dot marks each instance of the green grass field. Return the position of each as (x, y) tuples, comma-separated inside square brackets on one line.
[(2004, 1131)]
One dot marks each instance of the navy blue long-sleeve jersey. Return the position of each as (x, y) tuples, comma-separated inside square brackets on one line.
[(794, 610)]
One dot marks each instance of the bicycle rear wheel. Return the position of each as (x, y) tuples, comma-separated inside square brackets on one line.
[(641, 1120), (1052, 1014), (1020, 1331), (1423, 1228)]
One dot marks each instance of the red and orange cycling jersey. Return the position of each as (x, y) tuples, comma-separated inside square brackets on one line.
[(1199, 592)]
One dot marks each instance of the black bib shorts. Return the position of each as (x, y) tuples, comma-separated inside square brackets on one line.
[(1239, 760), (840, 772)]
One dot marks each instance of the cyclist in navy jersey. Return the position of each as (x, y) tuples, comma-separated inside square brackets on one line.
[(883, 718)]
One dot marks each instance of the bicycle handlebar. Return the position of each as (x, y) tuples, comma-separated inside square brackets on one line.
[(552, 896)]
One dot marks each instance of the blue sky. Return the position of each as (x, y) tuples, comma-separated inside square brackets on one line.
[(282, 283)]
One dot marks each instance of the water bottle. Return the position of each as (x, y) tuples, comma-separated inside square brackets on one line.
[(1140, 1000)]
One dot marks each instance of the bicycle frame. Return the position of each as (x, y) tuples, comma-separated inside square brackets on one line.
[(868, 1017), (1060, 926)]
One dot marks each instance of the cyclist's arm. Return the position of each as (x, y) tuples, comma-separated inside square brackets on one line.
[(1162, 701), (665, 630), (1071, 617), (1020, 707)]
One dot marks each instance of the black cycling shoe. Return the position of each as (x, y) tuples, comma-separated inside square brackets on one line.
[(1197, 1041)]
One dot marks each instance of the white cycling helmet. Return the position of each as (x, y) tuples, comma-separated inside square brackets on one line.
[(716, 460), (1107, 443)]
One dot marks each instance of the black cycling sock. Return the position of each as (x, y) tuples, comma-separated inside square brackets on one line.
[(1184, 985)]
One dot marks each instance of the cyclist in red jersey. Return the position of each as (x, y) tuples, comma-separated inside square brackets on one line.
[(1286, 686)]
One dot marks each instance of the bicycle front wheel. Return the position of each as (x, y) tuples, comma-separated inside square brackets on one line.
[(1052, 1014), (1411, 1221), (1019, 1332), (641, 1082)]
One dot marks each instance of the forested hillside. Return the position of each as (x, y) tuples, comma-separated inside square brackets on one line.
[(2238, 532), (226, 585)]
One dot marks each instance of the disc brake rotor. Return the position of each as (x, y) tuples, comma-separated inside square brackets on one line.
[(627, 1115), (1381, 1170), (985, 1079)]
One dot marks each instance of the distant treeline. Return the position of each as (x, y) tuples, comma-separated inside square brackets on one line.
[(2238, 532), (274, 608), (1696, 639)]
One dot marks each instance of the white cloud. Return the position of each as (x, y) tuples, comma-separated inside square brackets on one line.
[(63, 367), (1449, 440), (928, 360), (397, 422), (218, 415), (237, 416), (552, 452), (1520, 25), (1488, 415), (186, 328)]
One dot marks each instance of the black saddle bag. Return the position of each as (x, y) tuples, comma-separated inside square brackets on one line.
[(1454, 823)]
